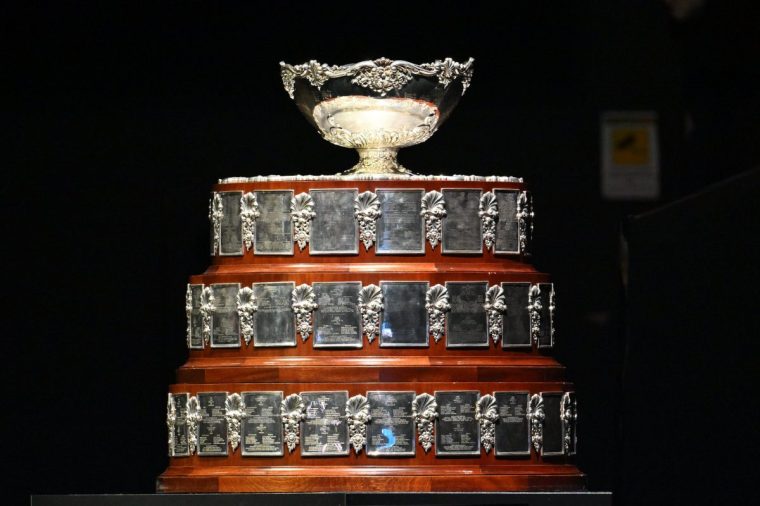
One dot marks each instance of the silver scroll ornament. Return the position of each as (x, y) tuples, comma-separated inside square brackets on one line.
[(552, 312), (487, 415), (171, 421), (215, 215), (524, 217), (437, 305), (424, 412), (357, 415), (367, 211), (234, 412), (534, 310), (495, 307), (193, 419), (433, 210), (189, 313), (207, 311), (249, 211), (246, 306), (536, 417), (370, 306), (569, 415), (303, 301), (380, 76), (489, 213), (302, 211), (293, 411)]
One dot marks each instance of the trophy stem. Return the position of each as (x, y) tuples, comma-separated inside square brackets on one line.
[(377, 161)]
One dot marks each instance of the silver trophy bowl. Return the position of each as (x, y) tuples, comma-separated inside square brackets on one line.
[(378, 106)]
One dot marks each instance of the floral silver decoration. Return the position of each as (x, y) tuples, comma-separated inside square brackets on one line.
[(552, 310), (234, 412), (303, 301), (215, 214), (536, 416), (381, 76), (495, 307), (489, 213), (207, 311), (569, 416), (487, 414), (249, 211), (524, 217), (437, 305), (367, 211), (246, 306), (534, 309), (193, 418), (371, 305), (293, 411), (433, 210), (357, 414), (189, 314), (424, 412), (171, 421), (302, 211)]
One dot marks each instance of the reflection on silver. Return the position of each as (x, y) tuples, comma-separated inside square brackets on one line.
[(536, 417), (171, 420), (569, 415), (433, 210), (234, 412), (193, 418), (303, 301), (495, 307), (367, 211), (207, 312), (189, 313), (293, 411), (302, 211), (534, 309), (525, 217), (371, 305), (246, 306), (489, 213), (424, 412), (357, 414), (215, 214), (437, 305), (370, 177), (249, 211), (487, 414)]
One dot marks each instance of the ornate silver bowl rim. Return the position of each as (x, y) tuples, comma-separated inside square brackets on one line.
[(380, 76)]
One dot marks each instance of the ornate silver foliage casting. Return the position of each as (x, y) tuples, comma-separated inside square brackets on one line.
[(249, 211), (367, 211), (489, 213), (525, 217), (171, 420), (381, 76), (371, 305), (357, 414), (569, 416), (536, 416), (234, 413), (424, 412), (293, 411), (552, 309), (207, 311), (433, 210), (487, 414), (215, 214), (495, 307), (246, 306), (302, 211), (534, 309), (437, 305), (189, 314), (193, 418), (303, 301)]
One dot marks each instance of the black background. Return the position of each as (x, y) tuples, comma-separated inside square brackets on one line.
[(121, 115)]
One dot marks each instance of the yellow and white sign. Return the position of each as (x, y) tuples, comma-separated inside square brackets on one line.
[(630, 156)]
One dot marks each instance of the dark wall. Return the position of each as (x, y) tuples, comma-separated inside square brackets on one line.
[(122, 115)]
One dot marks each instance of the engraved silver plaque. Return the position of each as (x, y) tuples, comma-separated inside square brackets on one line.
[(261, 429), (274, 322), (513, 427), (391, 430), (212, 427), (467, 320), (324, 430), (400, 227), (195, 317), (457, 432), (274, 226), (334, 229), (337, 320), (546, 327), (507, 233), (230, 228), (225, 321), (461, 232), (552, 442), (404, 320), (180, 438), (516, 333)]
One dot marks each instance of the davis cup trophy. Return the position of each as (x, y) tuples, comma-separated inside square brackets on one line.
[(375, 330)]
